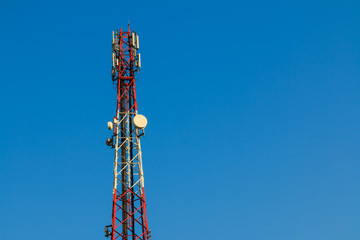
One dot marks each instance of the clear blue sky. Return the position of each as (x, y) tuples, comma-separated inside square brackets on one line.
[(253, 110)]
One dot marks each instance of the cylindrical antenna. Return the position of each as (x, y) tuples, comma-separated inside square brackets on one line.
[(133, 38), (137, 41), (139, 61)]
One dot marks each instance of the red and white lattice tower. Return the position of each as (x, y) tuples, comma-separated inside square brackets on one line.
[(129, 220)]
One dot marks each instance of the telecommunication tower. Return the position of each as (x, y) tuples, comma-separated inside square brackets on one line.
[(129, 219)]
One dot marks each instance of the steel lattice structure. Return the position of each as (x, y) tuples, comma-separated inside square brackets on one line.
[(129, 219)]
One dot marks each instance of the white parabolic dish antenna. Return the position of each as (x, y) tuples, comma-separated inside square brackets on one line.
[(140, 121)]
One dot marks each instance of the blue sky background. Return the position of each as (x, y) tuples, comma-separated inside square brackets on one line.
[(253, 110)]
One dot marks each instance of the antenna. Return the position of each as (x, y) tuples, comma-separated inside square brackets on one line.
[(137, 41), (133, 39), (138, 62)]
